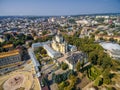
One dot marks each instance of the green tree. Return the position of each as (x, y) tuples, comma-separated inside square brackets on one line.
[(106, 80), (29, 37), (93, 73), (112, 25), (98, 81), (73, 82), (30, 44), (64, 66), (111, 39), (43, 51), (106, 62), (44, 32), (72, 21), (82, 64), (93, 56), (106, 76), (78, 66), (101, 56), (63, 84), (96, 32)]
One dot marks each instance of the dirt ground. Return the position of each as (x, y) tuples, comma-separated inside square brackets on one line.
[(24, 77)]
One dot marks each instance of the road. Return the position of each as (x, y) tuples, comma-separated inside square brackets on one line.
[(47, 67), (35, 63)]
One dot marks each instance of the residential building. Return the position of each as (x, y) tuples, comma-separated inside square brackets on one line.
[(98, 37), (10, 57), (75, 57), (8, 46), (72, 48)]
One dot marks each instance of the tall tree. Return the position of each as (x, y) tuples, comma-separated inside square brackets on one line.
[(78, 65)]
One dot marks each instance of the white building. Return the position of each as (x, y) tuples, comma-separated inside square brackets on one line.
[(39, 44), (52, 53), (82, 22), (112, 49)]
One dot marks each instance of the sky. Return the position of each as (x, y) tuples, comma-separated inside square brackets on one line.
[(58, 7)]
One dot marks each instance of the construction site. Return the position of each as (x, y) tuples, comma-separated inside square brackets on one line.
[(21, 79)]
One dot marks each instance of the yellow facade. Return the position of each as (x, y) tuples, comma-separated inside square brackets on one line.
[(10, 53), (8, 46), (59, 45), (2, 40), (97, 37)]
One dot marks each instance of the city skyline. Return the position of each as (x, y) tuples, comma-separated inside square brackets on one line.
[(55, 7)]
